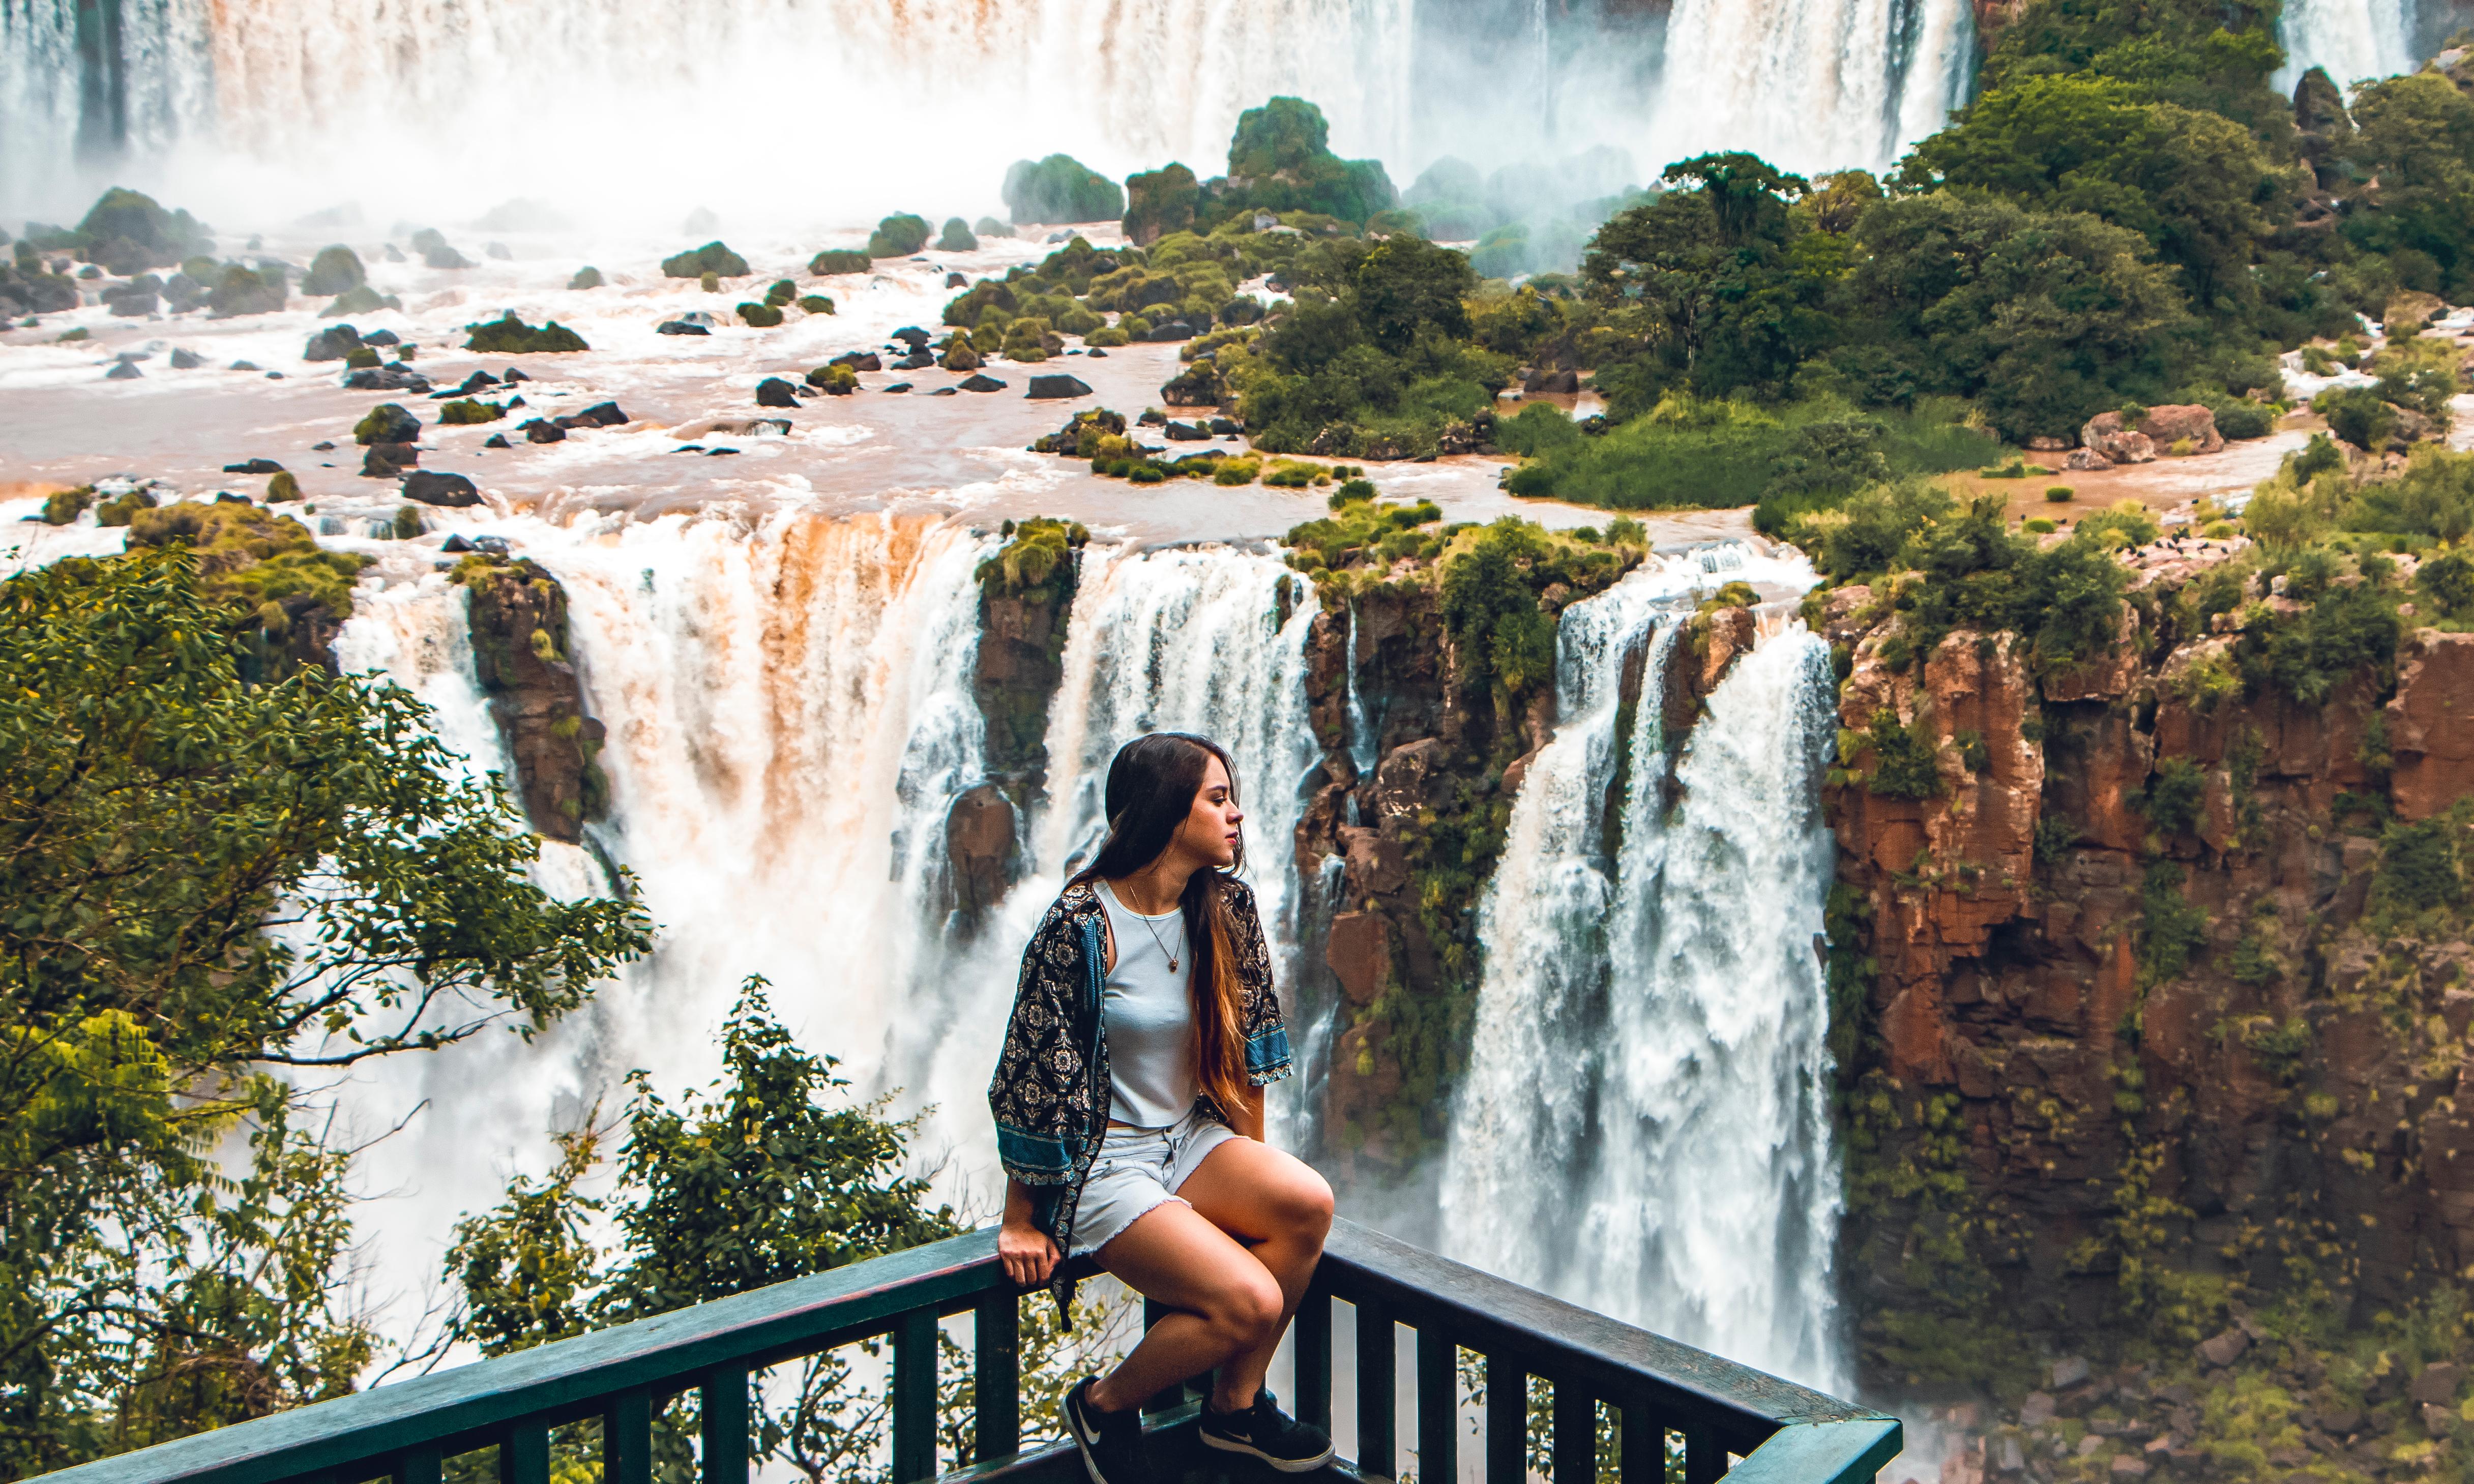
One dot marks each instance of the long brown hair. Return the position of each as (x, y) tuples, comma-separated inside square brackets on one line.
[(1150, 791)]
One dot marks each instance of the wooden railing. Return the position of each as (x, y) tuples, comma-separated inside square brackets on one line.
[(1732, 1422)]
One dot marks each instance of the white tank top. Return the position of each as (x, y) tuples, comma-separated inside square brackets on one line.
[(1150, 1018)]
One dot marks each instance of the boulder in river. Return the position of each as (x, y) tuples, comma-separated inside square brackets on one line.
[(122, 371), (496, 441), (774, 391), (679, 328), (916, 360), (332, 344), (713, 257), (857, 360), (543, 431), (432, 488), (985, 383), (187, 360), (386, 423), (1052, 388), (335, 270), (388, 460), (255, 466), (380, 378)]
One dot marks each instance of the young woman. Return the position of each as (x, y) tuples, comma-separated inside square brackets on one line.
[(1129, 1107)]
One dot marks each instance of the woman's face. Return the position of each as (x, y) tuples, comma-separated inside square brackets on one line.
[(1210, 827)]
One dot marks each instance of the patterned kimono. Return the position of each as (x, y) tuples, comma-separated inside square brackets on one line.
[(1051, 1091)]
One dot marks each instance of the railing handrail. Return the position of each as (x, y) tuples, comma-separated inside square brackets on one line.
[(450, 1411)]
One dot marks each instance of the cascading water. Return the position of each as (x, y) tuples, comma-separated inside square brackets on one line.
[(2350, 39), (1812, 85), (1644, 1126)]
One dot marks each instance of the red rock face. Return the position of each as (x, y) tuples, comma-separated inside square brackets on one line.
[(2008, 926)]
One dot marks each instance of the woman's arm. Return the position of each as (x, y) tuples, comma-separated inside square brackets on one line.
[(1248, 1118), (1028, 1255)]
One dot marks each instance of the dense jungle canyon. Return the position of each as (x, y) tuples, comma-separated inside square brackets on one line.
[(1854, 685)]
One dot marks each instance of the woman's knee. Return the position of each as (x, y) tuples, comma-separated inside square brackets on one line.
[(1247, 1307), (1303, 1203)]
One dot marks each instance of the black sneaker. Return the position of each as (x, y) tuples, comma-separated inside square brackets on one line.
[(1270, 1434), (1111, 1442)]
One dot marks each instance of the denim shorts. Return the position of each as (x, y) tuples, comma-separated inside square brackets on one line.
[(1139, 1169)]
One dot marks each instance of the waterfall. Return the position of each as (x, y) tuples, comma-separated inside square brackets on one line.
[(1812, 85), (1644, 1126), (2352, 40)]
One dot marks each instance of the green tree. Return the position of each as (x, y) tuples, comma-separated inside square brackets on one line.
[(210, 881), (2195, 185), (2414, 144), (2215, 55), (2046, 317), (1406, 286)]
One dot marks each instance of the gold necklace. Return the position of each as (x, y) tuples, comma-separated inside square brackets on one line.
[(1163, 942)]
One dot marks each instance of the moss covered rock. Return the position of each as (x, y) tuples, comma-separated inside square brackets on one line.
[(468, 411), (512, 336), (781, 292), (331, 344), (1160, 202), (990, 227), (386, 423), (129, 232), (335, 270), (585, 277), (362, 299), (956, 238), (838, 260), (1061, 188), (816, 303), (713, 257), (759, 316), (241, 290), (267, 570), (899, 236)]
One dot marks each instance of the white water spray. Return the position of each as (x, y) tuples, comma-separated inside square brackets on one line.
[(2351, 39), (1643, 1126)]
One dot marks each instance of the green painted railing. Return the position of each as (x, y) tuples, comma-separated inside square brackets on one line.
[(1734, 1421)]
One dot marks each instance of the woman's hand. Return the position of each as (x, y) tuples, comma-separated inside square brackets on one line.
[(1027, 1253)]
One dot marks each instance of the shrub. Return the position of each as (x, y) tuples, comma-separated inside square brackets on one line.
[(710, 282), (834, 380), (2125, 523), (834, 260), (62, 507), (1039, 548), (956, 238), (1237, 470), (1905, 759), (1107, 337), (2038, 525), (2060, 493), (713, 257), (899, 236), (2358, 415)]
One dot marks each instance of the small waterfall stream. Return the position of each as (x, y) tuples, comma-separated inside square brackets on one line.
[(2352, 40), (1644, 1125)]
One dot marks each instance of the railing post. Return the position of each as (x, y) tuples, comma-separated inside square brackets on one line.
[(523, 1455), (1576, 1435), (914, 1397), (1439, 1404), (723, 1399), (1705, 1458), (627, 1438), (1311, 1339), (1377, 1400), (1643, 1442), (996, 1371), (421, 1464), (1507, 1422)]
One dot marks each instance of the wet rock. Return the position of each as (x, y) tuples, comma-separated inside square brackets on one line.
[(981, 383), (382, 378), (187, 360), (1199, 385), (519, 626), (122, 371), (679, 328), (912, 336), (980, 844), (1151, 417), (386, 423), (774, 391), (2086, 461), (1187, 432), (496, 441), (2223, 1350), (543, 431), (917, 361), (255, 466), (601, 414), (1552, 383), (956, 281), (1225, 427), (432, 488), (857, 360), (1050, 388), (898, 386), (388, 460)]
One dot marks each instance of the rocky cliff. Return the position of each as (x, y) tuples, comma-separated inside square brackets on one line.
[(518, 620), (2152, 982)]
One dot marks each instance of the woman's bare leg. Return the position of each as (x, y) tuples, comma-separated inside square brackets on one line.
[(1224, 1303), (1280, 1209)]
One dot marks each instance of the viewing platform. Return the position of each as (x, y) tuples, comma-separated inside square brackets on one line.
[(1722, 1419)]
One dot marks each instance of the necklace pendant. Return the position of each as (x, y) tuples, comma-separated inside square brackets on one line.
[(1171, 964)]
